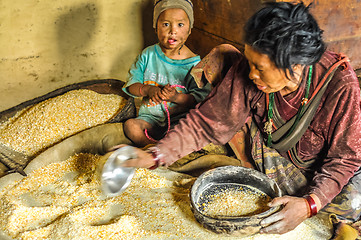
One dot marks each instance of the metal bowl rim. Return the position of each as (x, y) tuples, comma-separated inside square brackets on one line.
[(207, 173)]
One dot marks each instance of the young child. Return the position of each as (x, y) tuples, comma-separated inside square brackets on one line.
[(161, 75)]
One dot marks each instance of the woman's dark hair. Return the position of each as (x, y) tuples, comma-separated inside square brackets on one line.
[(287, 33)]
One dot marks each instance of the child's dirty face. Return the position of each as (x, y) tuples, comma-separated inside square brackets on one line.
[(173, 28)]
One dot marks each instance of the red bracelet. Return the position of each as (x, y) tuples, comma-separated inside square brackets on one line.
[(312, 205), (156, 160), (156, 157)]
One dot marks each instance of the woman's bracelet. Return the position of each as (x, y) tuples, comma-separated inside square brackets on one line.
[(312, 205), (156, 157)]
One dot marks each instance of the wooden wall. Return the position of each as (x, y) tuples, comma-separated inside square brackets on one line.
[(222, 21)]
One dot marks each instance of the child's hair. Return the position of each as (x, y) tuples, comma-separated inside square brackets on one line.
[(162, 5)]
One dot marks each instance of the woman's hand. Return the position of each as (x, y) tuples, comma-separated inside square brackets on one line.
[(143, 160), (295, 211)]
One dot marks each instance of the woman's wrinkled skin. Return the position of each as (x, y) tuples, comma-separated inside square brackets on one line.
[(268, 78)]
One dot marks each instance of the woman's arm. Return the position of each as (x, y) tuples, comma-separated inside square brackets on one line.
[(215, 120)]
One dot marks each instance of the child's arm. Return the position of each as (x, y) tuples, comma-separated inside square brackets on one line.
[(183, 100), (141, 90)]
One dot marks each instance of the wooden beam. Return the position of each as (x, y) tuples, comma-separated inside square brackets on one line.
[(219, 22)]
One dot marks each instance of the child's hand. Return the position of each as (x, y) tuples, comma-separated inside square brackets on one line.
[(154, 95), (168, 93)]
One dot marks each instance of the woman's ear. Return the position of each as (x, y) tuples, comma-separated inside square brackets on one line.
[(297, 72), (297, 67)]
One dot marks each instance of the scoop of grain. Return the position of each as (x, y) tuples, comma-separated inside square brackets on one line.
[(241, 202)]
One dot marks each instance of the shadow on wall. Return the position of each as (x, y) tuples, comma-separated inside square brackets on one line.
[(75, 31), (148, 35), (76, 28)]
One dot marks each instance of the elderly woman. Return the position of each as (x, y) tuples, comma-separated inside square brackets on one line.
[(304, 102)]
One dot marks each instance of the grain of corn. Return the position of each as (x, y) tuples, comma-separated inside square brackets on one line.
[(46, 123), (244, 201), (63, 201)]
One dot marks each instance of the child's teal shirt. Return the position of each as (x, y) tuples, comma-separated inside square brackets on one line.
[(152, 67)]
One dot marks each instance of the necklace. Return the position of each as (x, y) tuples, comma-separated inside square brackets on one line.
[(268, 125), (180, 49)]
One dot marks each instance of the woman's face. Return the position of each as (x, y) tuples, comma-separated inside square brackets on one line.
[(265, 75), (173, 28)]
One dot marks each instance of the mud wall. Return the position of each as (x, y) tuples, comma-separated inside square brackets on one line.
[(46, 45)]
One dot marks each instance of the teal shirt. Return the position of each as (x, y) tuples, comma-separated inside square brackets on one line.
[(152, 67)]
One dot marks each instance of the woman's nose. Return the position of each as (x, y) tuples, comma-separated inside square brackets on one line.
[(253, 75)]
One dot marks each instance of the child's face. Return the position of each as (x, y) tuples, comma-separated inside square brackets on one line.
[(173, 28)]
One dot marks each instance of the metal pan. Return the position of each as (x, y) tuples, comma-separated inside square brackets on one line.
[(219, 179)]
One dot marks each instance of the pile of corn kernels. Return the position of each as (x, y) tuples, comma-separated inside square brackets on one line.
[(64, 201), (240, 202), (46, 123)]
